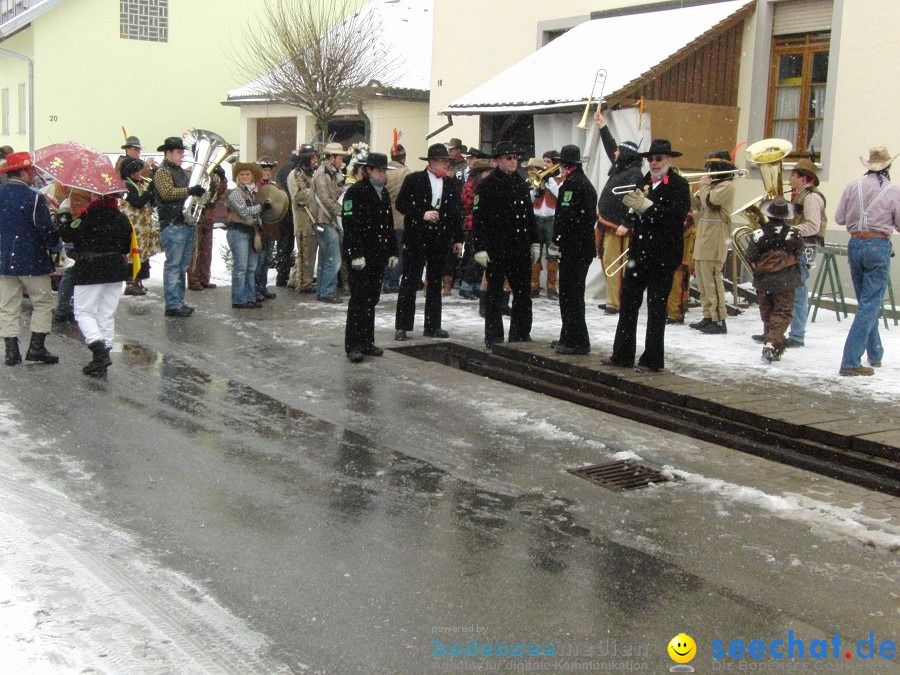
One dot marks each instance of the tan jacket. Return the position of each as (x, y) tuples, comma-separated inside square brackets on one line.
[(326, 191), (713, 204), (300, 188), (393, 184)]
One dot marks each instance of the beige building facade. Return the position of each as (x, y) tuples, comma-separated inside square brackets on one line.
[(846, 103), (156, 67)]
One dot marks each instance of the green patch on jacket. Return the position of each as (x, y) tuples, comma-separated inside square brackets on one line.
[(475, 203), (348, 207), (567, 198)]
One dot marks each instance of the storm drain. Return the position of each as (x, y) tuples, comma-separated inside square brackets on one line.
[(623, 475)]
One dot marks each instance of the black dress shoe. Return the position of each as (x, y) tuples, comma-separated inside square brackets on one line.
[(612, 364), (372, 350), (436, 333), (703, 323), (268, 295), (184, 310), (611, 311), (670, 321), (400, 335), (565, 350), (355, 356)]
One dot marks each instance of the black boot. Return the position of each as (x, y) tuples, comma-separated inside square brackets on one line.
[(101, 360), (38, 352), (13, 357)]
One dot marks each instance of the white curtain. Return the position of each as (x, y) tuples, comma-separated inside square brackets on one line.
[(787, 105), (816, 109), (553, 131)]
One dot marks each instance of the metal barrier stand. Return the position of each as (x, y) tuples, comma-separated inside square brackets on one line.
[(829, 272)]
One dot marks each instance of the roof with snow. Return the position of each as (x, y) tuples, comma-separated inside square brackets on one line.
[(627, 47), (407, 31)]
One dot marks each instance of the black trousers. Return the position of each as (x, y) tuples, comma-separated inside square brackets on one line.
[(515, 268), (416, 257), (657, 282), (573, 269), (284, 252), (365, 291)]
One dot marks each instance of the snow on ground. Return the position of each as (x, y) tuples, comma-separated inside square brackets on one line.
[(78, 596), (66, 609)]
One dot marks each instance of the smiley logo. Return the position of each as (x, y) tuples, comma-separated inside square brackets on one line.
[(682, 648)]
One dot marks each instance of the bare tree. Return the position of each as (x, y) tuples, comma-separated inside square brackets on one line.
[(319, 55)]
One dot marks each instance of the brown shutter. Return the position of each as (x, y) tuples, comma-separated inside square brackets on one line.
[(802, 16)]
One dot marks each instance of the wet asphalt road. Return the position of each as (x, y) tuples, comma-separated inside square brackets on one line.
[(354, 515)]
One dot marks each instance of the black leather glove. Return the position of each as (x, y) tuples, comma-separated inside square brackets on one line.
[(266, 205), (196, 191)]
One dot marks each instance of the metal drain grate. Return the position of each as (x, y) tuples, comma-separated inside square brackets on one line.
[(623, 475)]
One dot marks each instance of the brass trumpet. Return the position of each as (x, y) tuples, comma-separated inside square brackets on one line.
[(537, 179), (601, 78)]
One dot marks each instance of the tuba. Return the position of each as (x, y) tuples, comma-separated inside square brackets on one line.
[(768, 156), (209, 150)]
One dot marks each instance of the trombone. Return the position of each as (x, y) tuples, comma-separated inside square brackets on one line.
[(618, 264), (737, 173), (601, 78)]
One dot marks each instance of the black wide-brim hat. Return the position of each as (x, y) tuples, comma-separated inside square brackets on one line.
[(505, 148), (437, 151), (376, 160), (661, 146), (571, 154), (172, 143)]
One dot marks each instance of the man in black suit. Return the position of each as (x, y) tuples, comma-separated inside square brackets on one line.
[(507, 243), (369, 245), (432, 217), (661, 202), (573, 237)]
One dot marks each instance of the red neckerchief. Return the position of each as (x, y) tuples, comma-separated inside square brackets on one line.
[(568, 171), (664, 178), (436, 175)]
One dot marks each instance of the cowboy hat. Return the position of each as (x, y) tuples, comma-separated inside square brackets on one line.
[(252, 167), (778, 208), (376, 160), (533, 163), (571, 154), (16, 161), (132, 142), (172, 143), (879, 159), (437, 151), (331, 149), (660, 146), (266, 163), (504, 148), (482, 164), (807, 168)]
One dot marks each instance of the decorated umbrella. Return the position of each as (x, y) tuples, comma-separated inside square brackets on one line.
[(78, 166)]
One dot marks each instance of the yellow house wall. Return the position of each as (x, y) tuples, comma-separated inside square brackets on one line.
[(94, 82), (14, 72)]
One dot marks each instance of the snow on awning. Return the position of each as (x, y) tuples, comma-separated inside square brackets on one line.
[(560, 74)]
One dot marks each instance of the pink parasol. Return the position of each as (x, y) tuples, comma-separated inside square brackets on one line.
[(78, 166)]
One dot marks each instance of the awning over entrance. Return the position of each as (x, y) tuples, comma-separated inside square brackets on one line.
[(560, 74)]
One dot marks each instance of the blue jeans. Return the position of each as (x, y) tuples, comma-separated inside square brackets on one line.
[(801, 297), (329, 261), (263, 261), (243, 266), (870, 265), (178, 243), (392, 277)]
